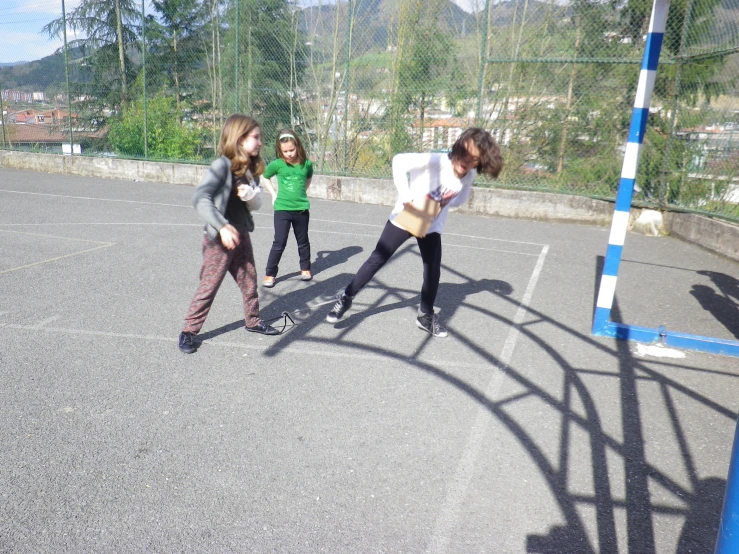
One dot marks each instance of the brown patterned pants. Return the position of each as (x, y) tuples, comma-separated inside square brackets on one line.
[(217, 260)]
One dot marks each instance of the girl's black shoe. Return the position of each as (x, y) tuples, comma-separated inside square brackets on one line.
[(343, 303), (263, 329), (187, 345)]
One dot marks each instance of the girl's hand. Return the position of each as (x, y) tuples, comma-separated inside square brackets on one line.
[(447, 197), (229, 236), (274, 197)]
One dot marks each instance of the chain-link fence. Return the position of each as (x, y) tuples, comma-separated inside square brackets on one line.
[(361, 80)]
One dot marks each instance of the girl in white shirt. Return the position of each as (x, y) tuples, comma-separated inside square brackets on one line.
[(446, 178)]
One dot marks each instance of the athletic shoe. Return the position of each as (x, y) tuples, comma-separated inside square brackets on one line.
[(186, 343), (263, 329), (343, 303), (268, 282), (305, 275), (430, 324)]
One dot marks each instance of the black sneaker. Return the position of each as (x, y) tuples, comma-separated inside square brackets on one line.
[(186, 343), (263, 329), (343, 303), (430, 324)]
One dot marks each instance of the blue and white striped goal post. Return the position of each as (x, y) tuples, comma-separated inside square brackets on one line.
[(602, 326)]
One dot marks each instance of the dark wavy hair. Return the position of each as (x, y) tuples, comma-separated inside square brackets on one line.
[(491, 162), (288, 135)]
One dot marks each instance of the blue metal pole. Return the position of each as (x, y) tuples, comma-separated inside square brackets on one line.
[(728, 534), (639, 117)]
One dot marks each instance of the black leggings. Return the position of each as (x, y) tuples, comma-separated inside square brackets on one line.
[(390, 240), (283, 221)]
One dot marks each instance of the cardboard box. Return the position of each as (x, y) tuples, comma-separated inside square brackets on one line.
[(418, 217)]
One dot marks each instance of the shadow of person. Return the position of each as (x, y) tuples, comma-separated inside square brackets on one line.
[(451, 295), (559, 540), (302, 304), (725, 312), (326, 259), (448, 299), (704, 517), (727, 284)]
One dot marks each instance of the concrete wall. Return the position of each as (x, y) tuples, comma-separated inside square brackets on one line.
[(715, 235)]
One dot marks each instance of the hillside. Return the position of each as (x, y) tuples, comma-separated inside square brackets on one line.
[(375, 18), (34, 76)]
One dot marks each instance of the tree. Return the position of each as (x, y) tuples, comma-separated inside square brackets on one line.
[(264, 76), (176, 46), (106, 31)]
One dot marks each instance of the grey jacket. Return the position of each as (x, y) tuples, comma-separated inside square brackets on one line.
[(211, 196)]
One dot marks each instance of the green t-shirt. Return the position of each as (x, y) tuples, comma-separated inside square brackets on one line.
[(291, 195)]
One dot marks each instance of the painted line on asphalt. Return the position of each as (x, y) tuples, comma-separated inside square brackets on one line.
[(43, 323), (102, 245), (264, 214), (340, 353), (94, 198), (54, 237), (450, 245), (457, 490)]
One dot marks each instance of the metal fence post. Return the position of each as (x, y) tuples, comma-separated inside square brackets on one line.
[(483, 61), (236, 62), (143, 75), (2, 117), (346, 76), (66, 74), (664, 185)]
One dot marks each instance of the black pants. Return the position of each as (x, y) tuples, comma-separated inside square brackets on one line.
[(390, 240), (299, 222)]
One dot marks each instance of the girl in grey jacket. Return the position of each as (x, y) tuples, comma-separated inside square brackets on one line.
[(219, 200)]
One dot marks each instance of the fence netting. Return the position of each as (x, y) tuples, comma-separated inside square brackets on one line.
[(361, 80)]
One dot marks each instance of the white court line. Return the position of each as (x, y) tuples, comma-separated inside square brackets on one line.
[(265, 228), (490, 249), (54, 237), (374, 225), (94, 198), (457, 490), (43, 323), (56, 259), (87, 224), (102, 245), (241, 346)]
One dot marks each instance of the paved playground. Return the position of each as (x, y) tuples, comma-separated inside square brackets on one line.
[(520, 432)]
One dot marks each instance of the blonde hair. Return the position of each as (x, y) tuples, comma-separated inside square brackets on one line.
[(288, 135), (237, 126)]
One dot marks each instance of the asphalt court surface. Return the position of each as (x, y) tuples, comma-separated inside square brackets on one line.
[(520, 432)]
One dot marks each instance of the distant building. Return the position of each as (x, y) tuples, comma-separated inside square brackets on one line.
[(441, 134), (17, 96)]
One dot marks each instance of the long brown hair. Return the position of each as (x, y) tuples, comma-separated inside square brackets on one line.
[(236, 126), (288, 135), (491, 162)]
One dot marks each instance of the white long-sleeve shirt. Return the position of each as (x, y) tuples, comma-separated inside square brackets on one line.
[(429, 174)]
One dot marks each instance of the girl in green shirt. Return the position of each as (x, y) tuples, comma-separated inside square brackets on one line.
[(292, 207)]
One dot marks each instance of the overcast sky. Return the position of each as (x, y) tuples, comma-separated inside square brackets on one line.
[(21, 22)]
